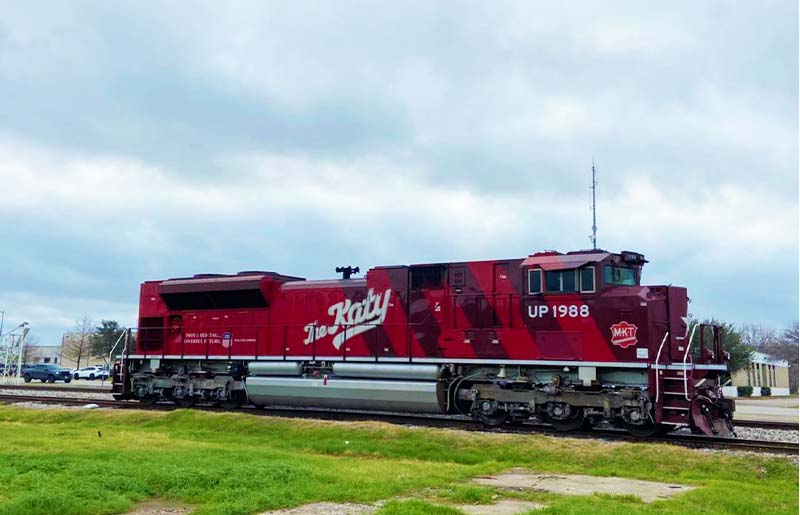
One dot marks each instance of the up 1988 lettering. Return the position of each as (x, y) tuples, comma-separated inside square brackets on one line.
[(558, 311)]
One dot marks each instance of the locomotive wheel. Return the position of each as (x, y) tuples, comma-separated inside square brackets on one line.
[(186, 402), (587, 424), (493, 420), (571, 423), (235, 401), (148, 400), (647, 430), (517, 421), (488, 413)]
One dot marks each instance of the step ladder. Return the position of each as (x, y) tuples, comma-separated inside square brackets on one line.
[(675, 388), (678, 392)]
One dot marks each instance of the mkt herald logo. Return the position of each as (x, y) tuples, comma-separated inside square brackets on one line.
[(623, 334)]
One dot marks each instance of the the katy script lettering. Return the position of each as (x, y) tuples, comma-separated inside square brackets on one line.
[(350, 318)]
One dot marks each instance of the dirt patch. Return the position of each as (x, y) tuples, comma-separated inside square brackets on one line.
[(327, 508), (160, 508), (505, 507), (647, 491)]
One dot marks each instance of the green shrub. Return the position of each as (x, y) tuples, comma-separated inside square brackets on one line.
[(766, 391), (744, 391)]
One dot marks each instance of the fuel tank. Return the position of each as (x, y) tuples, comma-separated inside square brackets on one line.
[(346, 393), (275, 368), (387, 371)]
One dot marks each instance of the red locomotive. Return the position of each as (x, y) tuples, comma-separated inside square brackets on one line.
[(571, 339)]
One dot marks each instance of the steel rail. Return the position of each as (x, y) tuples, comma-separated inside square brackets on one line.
[(435, 421)]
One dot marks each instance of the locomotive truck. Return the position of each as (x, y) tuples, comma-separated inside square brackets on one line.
[(571, 339)]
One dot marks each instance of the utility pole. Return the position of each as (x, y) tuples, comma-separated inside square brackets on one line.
[(594, 206)]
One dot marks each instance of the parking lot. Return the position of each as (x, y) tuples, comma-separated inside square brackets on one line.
[(777, 409)]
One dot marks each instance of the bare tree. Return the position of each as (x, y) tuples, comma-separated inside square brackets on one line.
[(30, 341), (77, 344), (785, 347), (758, 335), (790, 334)]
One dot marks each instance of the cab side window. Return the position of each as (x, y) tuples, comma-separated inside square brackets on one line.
[(534, 281), (560, 281), (587, 279)]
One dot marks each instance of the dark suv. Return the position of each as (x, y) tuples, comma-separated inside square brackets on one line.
[(46, 373)]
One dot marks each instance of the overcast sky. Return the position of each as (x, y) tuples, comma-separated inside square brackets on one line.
[(148, 140)]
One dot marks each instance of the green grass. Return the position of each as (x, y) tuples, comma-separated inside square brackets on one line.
[(53, 461)]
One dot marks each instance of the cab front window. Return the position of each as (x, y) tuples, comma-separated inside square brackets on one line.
[(619, 275)]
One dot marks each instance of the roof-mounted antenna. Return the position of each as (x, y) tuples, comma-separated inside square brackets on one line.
[(593, 237)]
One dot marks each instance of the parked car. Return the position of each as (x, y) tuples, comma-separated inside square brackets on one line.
[(46, 373), (93, 372), (10, 370)]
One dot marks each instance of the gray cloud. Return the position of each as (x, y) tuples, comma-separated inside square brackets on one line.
[(144, 140)]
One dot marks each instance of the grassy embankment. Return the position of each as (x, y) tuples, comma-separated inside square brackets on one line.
[(54, 462)]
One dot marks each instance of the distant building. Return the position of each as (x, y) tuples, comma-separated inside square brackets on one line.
[(762, 371), (44, 354), (65, 355), (74, 345)]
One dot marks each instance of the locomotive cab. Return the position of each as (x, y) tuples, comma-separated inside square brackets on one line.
[(584, 272)]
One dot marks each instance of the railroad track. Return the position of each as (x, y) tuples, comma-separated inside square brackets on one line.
[(438, 421), (762, 424), (56, 388)]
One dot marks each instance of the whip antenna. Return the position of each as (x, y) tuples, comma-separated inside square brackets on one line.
[(594, 207)]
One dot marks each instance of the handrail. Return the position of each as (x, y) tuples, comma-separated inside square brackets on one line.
[(658, 359), (206, 340), (114, 347), (685, 356), (125, 345), (122, 338)]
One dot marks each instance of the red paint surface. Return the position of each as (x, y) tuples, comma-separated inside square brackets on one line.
[(482, 313)]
